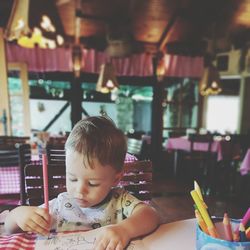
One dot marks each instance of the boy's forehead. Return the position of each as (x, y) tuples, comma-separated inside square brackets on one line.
[(79, 162)]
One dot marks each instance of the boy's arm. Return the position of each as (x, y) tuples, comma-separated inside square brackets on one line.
[(144, 219), (28, 218)]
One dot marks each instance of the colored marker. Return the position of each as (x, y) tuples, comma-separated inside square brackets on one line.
[(236, 237), (227, 227), (210, 226), (246, 217), (248, 233), (244, 220), (242, 233), (198, 190), (45, 181), (201, 222)]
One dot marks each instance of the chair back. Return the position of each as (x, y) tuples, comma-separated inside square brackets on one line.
[(34, 182), (175, 134), (137, 179), (24, 151), (8, 155), (55, 153), (12, 140), (205, 139), (134, 146)]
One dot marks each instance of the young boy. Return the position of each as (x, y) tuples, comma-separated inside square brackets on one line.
[(95, 153)]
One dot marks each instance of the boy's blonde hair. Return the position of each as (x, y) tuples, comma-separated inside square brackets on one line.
[(98, 137)]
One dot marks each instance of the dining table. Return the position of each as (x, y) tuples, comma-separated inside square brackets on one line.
[(224, 149), (176, 235), (245, 165)]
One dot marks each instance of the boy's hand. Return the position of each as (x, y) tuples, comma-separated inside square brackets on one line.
[(113, 237), (33, 219)]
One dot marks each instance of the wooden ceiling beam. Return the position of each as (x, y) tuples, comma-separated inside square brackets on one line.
[(167, 32)]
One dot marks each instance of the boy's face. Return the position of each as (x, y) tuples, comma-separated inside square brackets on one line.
[(88, 186)]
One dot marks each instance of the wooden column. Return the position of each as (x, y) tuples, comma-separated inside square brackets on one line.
[(4, 96), (76, 100), (157, 121)]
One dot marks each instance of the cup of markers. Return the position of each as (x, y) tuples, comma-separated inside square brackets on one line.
[(217, 232), (205, 241)]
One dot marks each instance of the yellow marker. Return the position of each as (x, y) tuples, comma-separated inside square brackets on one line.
[(210, 226), (198, 190), (201, 222)]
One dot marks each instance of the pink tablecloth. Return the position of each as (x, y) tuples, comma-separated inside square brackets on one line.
[(245, 165), (222, 148)]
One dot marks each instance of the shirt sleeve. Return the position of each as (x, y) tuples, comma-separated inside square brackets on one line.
[(129, 202)]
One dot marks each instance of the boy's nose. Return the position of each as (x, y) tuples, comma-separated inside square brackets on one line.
[(82, 188)]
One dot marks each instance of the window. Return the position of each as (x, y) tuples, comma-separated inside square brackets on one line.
[(180, 105), (222, 114)]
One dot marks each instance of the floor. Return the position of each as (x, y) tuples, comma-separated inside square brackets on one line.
[(173, 201)]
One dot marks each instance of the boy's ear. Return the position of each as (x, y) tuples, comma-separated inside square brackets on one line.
[(118, 177)]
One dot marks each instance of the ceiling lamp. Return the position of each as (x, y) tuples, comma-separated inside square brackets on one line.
[(43, 34), (77, 60), (210, 81), (107, 80)]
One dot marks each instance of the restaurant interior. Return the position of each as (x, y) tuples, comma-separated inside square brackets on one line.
[(174, 76)]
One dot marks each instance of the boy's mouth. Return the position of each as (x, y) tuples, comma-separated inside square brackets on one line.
[(81, 201)]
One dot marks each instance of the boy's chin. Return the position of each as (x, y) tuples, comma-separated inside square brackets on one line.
[(83, 203)]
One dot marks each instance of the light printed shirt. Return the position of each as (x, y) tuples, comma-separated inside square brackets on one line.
[(67, 215)]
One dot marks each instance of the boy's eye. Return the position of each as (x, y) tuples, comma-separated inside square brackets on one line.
[(72, 180), (93, 184)]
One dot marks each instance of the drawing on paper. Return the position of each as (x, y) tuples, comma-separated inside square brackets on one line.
[(66, 242)]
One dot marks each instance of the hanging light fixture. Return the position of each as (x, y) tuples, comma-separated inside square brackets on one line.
[(107, 80), (41, 33), (77, 60), (210, 81)]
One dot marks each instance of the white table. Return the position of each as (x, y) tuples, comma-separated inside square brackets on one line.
[(177, 235)]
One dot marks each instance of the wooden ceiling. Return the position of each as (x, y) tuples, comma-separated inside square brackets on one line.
[(176, 26)]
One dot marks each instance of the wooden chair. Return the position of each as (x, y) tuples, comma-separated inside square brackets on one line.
[(137, 179), (12, 140), (199, 164), (8, 155), (134, 147), (175, 134), (34, 182), (55, 153), (25, 158), (57, 140)]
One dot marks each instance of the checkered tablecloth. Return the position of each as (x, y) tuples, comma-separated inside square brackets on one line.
[(21, 241), (9, 180)]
